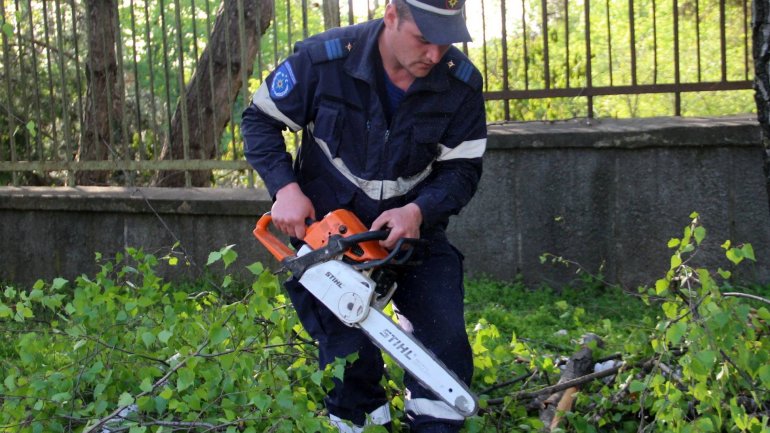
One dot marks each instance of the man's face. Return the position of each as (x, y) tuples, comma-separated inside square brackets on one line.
[(411, 50)]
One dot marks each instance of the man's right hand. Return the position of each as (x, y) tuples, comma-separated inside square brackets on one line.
[(291, 210)]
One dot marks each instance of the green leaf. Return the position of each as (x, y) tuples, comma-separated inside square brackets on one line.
[(734, 255), (58, 283), (185, 378), (35, 294), (218, 334), (699, 234), (748, 252), (167, 393), (164, 336), (256, 268), (146, 385), (671, 309), (5, 311), (706, 360), (675, 332), (214, 257), (316, 377), (704, 425), (8, 29), (261, 401), (160, 404), (100, 407), (285, 398), (61, 397), (148, 338), (764, 375), (228, 255), (78, 344), (673, 243), (724, 274), (32, 129), (125, 399), (10, 382), (637, 386), (676, 261)]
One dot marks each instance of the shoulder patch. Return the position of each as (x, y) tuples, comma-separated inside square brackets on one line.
[(283, 81), (465, 72), (332, 49)]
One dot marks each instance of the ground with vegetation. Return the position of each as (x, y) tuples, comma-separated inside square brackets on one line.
[(126, 351)]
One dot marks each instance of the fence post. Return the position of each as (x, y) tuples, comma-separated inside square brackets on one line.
[(761, 47)]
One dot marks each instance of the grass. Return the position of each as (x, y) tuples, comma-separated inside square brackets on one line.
[(556, 319)]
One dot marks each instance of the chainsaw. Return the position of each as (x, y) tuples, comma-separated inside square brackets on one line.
[(343, 265)]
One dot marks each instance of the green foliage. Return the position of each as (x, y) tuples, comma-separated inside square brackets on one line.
[(127, 350), (708, 370), (124, 343), (692, 355)]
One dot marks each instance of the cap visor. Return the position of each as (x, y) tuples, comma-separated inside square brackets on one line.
[(441, 29)]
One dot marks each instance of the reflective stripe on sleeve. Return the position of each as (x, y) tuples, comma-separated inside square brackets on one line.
[(467, 149), (265, 103), (374, 189), (432, 408)]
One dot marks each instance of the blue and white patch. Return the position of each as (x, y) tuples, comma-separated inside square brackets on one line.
[(283, 81)]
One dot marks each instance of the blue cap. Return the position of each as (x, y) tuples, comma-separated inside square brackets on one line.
[(441, 22)]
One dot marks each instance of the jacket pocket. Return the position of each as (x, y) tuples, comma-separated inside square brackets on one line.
[(327, 129), (427, 133)]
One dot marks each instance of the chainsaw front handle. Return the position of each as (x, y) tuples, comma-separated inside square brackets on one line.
[(278, 249)]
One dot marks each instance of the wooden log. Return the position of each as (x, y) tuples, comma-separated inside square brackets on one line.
[(553, 406)]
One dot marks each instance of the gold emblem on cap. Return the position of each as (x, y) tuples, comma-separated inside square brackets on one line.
[(452, 3), (451, 64)]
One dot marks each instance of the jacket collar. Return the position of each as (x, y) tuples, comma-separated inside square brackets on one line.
[(359, 63)]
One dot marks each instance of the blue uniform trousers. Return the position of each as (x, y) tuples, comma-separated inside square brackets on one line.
[(429, 303)]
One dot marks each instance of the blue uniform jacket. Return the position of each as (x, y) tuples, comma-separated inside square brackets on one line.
[(351, 157)]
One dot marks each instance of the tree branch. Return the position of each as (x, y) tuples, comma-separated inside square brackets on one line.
[(561, 386)]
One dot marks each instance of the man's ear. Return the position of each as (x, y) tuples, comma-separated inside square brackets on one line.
[(391, 16)]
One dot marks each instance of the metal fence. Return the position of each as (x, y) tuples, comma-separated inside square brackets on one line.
[(541, 60)]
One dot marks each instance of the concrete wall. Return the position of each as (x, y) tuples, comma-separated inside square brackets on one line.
[(607, 194), (49, 232)]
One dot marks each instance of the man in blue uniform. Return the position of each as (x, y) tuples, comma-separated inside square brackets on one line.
[(394, 129)]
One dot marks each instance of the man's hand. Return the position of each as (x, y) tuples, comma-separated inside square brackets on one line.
[(291, 209), (403, 222)]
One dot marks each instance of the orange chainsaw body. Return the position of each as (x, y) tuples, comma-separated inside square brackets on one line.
[(344, 223), (341, 222)]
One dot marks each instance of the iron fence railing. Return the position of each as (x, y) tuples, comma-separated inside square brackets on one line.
[(541, 60)]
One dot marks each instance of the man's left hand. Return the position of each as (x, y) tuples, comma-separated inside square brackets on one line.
[(403, 222)]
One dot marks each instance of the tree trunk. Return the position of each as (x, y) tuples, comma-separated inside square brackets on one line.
[(331, 9), (214, 87), (104, 103), (761, 51)]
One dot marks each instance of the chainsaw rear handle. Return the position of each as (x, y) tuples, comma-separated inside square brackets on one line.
[(278, 249)]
